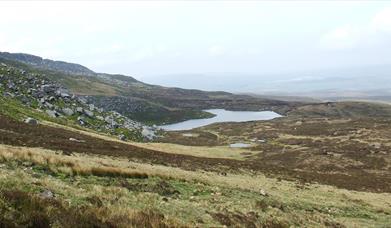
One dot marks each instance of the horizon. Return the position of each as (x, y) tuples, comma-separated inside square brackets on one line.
[(279, 84), (123, 37)]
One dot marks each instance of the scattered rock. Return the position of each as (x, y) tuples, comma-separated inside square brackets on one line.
[(108, 119), (67, 111), (37, 91), (263, 192), (122, 137), (81, 121), (88, 113), (76, 140), (47, 88), (52, 113), (79, 109), (31, 121), (48, 105), (47, 194), (148, 133), (111, 122), (65, 95), (91, 107), (82, 100)]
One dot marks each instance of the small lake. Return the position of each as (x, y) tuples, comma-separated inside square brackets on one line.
[(221, 116), (239, 145)]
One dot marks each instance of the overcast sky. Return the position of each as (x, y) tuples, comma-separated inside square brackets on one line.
[(158, 38)]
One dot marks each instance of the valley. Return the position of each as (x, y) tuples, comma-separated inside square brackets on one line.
[(86, 153), (138, 100)]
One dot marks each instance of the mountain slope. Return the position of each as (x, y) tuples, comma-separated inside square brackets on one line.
[(39, 62), (138, 100), (27, 94)]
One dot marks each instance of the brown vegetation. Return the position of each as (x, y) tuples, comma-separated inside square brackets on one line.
[(58, 162), (348, 153), (359, 167), (28, 210)]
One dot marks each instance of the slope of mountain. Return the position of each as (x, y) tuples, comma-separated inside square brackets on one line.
[(30, 94), (138, 100), (39, 62)]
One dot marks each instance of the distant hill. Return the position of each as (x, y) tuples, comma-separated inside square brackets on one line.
[(137, 100), (362, 82), (48, 64)]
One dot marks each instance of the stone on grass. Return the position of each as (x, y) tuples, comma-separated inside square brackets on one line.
[(122, 137), (31, 121), (47, 194)]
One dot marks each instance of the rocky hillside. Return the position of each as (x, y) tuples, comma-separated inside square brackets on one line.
[(47, 63), (37, 92), (138, 100)]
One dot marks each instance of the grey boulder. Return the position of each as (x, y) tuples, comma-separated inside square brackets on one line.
[(67, 111), (53, 114), (88, 113), (122, 137), (31, 121)]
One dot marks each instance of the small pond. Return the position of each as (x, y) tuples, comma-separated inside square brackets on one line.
[(239, 145)]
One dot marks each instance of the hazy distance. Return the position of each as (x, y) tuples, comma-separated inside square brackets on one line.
[(260, 47)]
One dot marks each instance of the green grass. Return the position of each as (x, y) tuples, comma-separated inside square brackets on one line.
[(191, 202), (16, 110)]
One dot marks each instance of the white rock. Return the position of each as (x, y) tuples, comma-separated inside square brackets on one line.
[(31, 121)]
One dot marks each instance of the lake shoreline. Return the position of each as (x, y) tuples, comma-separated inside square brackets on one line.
[(221, 115)]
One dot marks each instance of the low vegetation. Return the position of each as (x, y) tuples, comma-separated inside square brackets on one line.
[(169, 197)]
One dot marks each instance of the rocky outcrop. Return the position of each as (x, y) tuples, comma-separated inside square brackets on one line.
[(38, 92), (41, 63)]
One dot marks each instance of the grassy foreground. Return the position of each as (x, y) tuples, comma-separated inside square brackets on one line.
[(103, 191)]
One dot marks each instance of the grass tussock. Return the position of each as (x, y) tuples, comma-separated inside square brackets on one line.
[(116, 172), (22, 209), (68, 165)]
